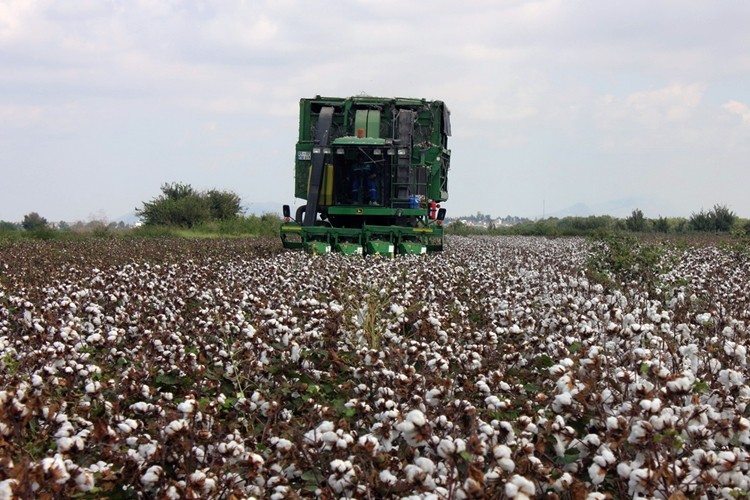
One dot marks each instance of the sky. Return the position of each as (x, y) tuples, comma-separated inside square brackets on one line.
[(602, 105)]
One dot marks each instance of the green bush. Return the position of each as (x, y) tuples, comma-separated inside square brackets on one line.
[(636, 222), (624, 258), (8, 227), (33, 221), (182, 206), (661, 225), (718, 219)]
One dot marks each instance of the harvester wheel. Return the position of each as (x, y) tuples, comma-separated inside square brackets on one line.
[(299, 216)]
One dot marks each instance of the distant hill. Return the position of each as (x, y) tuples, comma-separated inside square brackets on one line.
[(620, 208)]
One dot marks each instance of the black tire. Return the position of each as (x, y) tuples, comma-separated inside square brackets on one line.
[(299, 215)]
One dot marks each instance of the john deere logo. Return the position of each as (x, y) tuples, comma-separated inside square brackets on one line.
[(360, 211)]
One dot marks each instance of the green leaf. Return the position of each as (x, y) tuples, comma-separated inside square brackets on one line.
[(700, 387), (309, 477), (571, 456), (544, 361)]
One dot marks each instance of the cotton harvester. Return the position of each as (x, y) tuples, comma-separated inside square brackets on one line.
[(374, 172)]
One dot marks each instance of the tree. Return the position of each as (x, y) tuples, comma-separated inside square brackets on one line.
[(223, 205), (722, 218), (6, 226), (719, 218), (181, 205), (700, 222), (33, 221), (636, 222), (661, 225)]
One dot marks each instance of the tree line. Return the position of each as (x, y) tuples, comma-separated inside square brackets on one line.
[(719, 219), (178, 207)]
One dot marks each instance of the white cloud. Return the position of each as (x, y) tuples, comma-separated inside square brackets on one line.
[(650, 110), (738, 108)]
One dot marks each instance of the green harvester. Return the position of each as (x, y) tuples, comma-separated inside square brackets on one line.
[(373, 172)]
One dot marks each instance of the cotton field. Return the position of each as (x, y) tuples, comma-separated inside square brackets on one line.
[(501, 368)]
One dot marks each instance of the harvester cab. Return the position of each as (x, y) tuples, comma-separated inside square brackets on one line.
[(373, 172)]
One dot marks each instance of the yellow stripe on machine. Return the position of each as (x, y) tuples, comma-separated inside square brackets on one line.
[(291, 228), (325, 198), (422, 230)]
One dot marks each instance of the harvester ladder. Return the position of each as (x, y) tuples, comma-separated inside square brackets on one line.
[(403, 163)]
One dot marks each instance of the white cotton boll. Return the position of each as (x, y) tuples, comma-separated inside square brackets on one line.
[(639, 431), (557, 370), (507, 464), (151, 476), (416, 417), (624, 470), (55, 466), (432, 397), (413, 473), (127, 426), (523, 485), (64, 443), (93, 387), (325, 426), (511, 490), (740, 352), (329, 437), (605, 456), (592, 440), (406, 427), (387, 477), (563, 483), (94, 338), (501, 451), (612, 423), (726, 460), (446, 448), (425, 464), (561, 401), (283, 444), (186, 407), (483, 387), (597, 474), (397, 310), (702, 319), (141, 407), (175, 426), (335, 307), (84, 481), (731, 378), (679, 385), (652, 405), (66, 428), (295, 355)]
